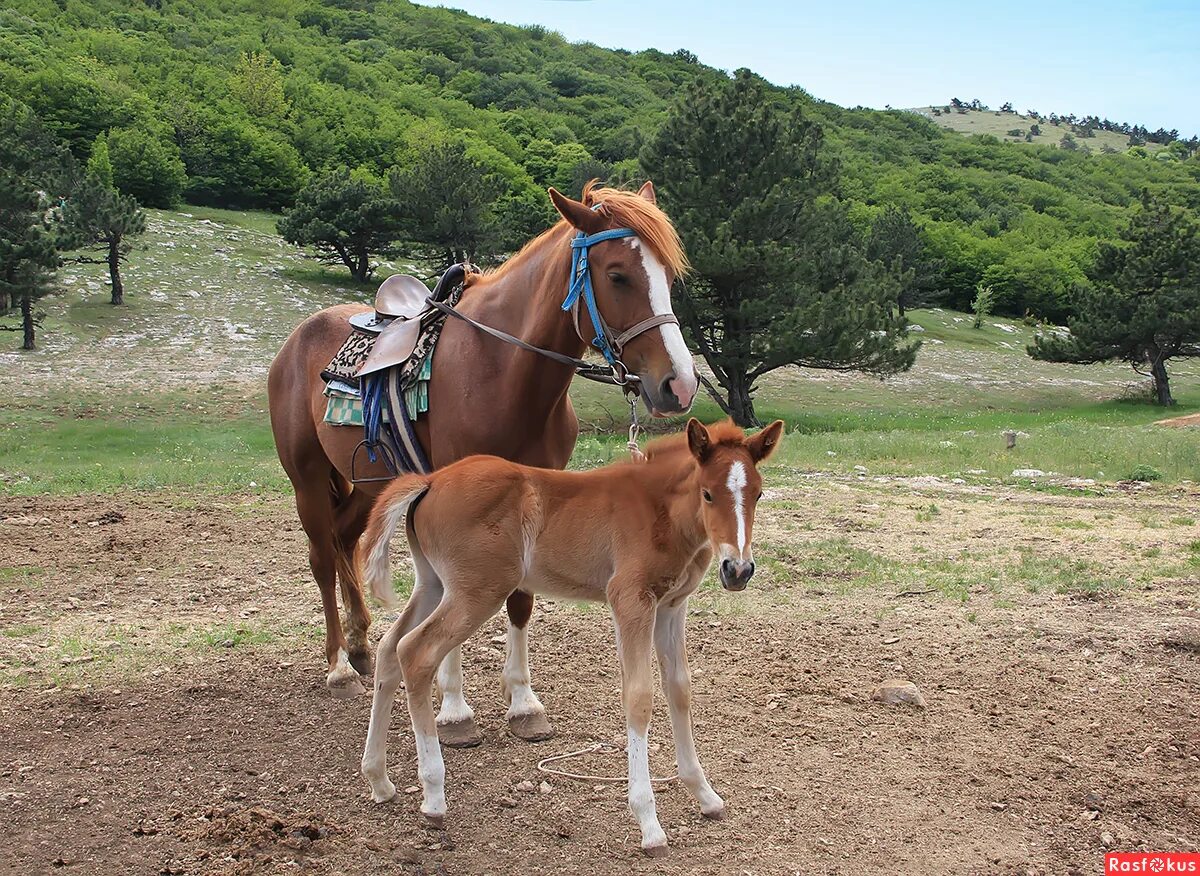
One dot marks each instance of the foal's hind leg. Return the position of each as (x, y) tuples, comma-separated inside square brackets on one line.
[(526, 714), (420, 653), (425, 597)]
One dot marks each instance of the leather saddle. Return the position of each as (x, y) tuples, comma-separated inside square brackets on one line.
[(396, 319)]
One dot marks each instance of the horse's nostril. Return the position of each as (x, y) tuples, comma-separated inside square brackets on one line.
[(728, 569), (748, 572), (665, 386)]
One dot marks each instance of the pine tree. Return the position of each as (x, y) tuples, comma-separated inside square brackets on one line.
[(29, 252), (345, 220), (449, 202), (34, 168), (778, 278), (98, 217), (895, 240), (1143, 304)]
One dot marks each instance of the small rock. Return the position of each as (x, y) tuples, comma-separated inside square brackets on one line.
[(897, 691), (1107, 839), (411, 789), (891, 640), (998, 806), (1093, 801), (1057, 679), (525, 786), (507, 802), (1028, 473), (545, 788)]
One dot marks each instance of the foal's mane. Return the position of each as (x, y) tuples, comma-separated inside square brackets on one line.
[(626, 209), (668, 448)]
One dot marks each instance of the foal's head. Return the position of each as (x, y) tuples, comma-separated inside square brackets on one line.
[(730, 487), (632, 277)]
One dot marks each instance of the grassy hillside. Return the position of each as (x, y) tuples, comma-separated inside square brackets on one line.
[(997, 124), (169, 390), (253, 100)]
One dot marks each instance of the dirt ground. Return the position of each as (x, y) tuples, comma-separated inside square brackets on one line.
[(163, 709)]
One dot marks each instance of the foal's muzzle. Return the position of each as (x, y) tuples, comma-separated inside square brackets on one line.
[(736, 574)]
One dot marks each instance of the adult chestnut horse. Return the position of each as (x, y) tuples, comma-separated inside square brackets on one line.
[(485, 396)]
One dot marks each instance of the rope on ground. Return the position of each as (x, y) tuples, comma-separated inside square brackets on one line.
[(583, 777)]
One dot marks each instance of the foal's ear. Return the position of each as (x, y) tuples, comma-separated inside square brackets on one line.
[(647, 192), (582, 217), (764, 443), (698, 441)]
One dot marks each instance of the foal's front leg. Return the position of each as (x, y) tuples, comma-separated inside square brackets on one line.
[(633, 608), (670, 642)]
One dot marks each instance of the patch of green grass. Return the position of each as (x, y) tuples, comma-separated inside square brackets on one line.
[(1070, 523), (233, 636), (20, 631), (1184, 521), (1065, 576), (927, 514), (19, 577)]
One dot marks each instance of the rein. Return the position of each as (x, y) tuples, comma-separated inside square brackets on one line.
[(580, 288)]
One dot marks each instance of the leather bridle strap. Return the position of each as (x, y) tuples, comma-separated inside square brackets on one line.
[(600, 374), (644, 326)]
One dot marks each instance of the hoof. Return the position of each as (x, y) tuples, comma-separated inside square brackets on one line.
[(655, 851), (345, 688), (433, 822), (532, 727), (385, 793), (363, 662), (460, 734), (717, 813)]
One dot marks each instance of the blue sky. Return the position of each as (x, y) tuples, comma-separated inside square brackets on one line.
[(1133, 62)]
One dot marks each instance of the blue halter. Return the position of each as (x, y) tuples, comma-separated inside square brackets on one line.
[(580, 285)]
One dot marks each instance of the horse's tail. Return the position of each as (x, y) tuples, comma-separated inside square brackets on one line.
[(386, 516)]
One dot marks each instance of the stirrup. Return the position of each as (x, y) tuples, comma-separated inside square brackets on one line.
[(389, 461)]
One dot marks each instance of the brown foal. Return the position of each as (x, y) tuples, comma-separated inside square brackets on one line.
[(486, 396), (638, 536)]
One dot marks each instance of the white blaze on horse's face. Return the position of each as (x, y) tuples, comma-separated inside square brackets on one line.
[(730, 495), (684, 382)]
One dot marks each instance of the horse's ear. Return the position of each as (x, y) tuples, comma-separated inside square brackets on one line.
[(698, 440), (577, 214), (764, 443), (647, 192)]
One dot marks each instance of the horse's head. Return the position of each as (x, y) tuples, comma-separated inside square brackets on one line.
[(730, 487), (631, 278)]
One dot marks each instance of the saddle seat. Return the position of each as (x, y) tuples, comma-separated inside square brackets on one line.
[(396, 320)]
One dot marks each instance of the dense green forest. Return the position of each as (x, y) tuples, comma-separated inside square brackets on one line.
[(238, 104)]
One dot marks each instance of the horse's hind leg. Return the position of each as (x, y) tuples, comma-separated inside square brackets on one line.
[(526, 714), (351, 519), (315, 508)]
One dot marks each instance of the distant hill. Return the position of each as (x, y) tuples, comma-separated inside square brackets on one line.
[(1002, 125)]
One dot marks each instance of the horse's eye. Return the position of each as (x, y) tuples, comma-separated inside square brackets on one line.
[(617, 279), (707, 496), (759, 496)]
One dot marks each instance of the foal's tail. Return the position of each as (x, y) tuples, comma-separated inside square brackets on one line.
[(386, 516)]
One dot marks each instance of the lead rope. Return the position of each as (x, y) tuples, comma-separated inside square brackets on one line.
[(585, 777), (635, 452)]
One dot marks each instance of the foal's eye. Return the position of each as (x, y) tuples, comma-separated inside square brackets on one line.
[(617, 279), (707, 496), (759, 496)]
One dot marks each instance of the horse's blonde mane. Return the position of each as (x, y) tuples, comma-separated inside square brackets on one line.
[(626, 209)]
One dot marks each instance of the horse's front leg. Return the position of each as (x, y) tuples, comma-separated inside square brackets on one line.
[(670, 642), (526, 715), (633, 608)]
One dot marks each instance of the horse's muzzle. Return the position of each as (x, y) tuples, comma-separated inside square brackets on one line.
[(671, 395), (736, 574)]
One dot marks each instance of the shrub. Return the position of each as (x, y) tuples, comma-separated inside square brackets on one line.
[(1145, 473), (146, 167)]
